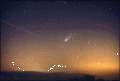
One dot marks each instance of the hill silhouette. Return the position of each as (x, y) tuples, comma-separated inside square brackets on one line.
[(43, 76)]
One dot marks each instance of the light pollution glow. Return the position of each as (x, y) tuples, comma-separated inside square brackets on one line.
[(99, 55)]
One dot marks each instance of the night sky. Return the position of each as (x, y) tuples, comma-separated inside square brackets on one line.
[(81, 37)]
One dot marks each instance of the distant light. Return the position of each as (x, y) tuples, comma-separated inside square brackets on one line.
[(12, 62), (62, 66), (48, 70), (98, 63), (23, 70), (65, 66), (18, 67), (117, 53)]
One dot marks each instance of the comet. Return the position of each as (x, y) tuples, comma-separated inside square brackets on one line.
[(66, 40), (70, 36)]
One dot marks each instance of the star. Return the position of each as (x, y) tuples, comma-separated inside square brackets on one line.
[(109, 8), (65, 2), (24, 10), (78, 4)]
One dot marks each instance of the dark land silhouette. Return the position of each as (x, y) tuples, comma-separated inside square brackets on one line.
[(40, 76)]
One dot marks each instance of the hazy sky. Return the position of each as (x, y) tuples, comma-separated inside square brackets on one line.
[(83, 36)]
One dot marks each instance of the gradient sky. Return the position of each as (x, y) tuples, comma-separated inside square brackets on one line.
[(83, 36)]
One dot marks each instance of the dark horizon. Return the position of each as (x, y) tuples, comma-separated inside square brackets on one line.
[(32, 75)]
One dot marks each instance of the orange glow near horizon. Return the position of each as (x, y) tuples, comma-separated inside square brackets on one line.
[(32, 57), (89, 52)]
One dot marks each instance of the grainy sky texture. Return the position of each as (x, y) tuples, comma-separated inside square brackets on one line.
[(83, 36)]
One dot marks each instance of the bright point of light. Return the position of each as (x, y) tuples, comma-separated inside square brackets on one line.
[(18, 67), (23, 70), (12, 62), (65, 66), (117, 53), (48, 70), (62, 66), (98, 63)]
